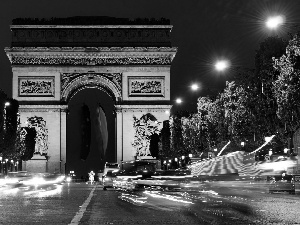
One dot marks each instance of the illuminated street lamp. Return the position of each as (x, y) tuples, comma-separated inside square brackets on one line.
[(5, 105), (1, 165), (195, 87), (178, 101), (221, 65), (270, 152), (274, 22), (6, 166)]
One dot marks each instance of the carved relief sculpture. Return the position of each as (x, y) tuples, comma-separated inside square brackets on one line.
[(89, 60), (36, 86), (41, 140), (143, 86)]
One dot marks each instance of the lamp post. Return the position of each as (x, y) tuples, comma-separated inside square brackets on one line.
[(12, 166), (4, 114), (6, 166), (1, 165), (243, 145), (176, 161)]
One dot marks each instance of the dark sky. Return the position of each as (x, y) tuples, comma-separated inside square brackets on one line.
[(203, 31)]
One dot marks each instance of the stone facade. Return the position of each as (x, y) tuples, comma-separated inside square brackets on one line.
[(46, 78)]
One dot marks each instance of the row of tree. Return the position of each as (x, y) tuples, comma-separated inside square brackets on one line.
[(16, 143), (257, 103)]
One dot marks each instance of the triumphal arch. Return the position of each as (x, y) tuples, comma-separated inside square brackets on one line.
[(53, 59)]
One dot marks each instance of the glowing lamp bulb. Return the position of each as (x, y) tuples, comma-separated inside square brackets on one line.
[(178, 100), (221, 65), (194, 87), (274, 22)]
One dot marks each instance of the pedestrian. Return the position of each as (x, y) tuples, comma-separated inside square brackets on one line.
[(91, 176)]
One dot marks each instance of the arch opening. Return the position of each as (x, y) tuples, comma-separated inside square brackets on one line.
[(97, 155)]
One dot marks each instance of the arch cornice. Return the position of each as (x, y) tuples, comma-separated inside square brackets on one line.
[(83, 81), (91, 55)]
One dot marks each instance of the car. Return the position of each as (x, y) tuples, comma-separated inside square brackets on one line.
[(282, 183), (108, 179)]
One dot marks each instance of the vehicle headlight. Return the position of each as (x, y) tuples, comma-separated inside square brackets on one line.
[(68, 179)]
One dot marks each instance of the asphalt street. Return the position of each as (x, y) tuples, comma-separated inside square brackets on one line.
[(198, 203)]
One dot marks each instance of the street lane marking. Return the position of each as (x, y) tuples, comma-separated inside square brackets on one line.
[(79, 214)]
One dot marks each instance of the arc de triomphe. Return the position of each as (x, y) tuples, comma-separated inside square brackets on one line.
[(52, 60)]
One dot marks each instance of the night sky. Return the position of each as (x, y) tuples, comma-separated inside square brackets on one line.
[(203, 30)]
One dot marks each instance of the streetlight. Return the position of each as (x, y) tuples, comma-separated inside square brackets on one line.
[(178, 101), (221, 65), (6, 166), (270, 152), (1, 165), (195, 87), (5, 105), (274, 22)]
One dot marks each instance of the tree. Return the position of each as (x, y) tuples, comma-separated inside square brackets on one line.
[(265, 111), (28, 141), (153, 146), (13, 144), (176, 146), (261, 102), (3, 99), (165, 136), (191, 134), (286, 88)]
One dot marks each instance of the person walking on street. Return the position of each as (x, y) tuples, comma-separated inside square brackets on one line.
[(91, 176)]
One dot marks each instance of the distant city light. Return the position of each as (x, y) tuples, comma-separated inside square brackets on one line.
[(274, 22), (178, 100), (221, 65)]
